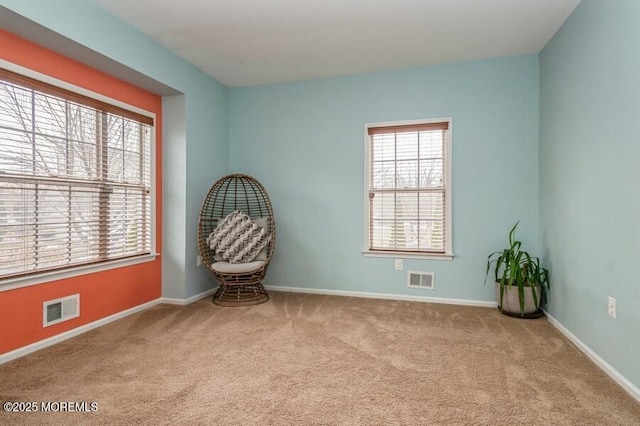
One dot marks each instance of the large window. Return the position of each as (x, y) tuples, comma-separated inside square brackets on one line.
[(408, 200), (75, 179)]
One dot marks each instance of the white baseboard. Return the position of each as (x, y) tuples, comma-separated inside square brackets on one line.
[(632, 389), (388, 296), (25, 350), (174, 301)]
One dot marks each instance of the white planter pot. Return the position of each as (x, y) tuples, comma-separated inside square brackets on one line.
[(511, 300)]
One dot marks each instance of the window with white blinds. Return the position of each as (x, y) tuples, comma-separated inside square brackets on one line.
[(75, 179), (408, 188)]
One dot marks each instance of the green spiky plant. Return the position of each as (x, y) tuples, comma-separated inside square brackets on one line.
[(515, 267)]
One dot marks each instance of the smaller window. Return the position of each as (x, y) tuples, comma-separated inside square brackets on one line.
[(408, 188)]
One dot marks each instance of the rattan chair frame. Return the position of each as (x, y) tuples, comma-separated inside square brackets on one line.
[(230, 193)]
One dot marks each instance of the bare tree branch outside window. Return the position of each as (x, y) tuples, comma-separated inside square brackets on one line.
[(74, 183)]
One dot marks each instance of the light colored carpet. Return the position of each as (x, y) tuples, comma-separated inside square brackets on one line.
[(319, 360)]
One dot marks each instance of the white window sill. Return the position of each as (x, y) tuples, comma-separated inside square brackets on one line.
[(19, 282), (407, 255)]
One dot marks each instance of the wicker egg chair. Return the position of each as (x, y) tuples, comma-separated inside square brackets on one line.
[(240, 283)]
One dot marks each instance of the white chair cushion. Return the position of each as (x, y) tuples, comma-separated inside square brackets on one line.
[(237, 268)]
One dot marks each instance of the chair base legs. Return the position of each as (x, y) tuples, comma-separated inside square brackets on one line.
[(240, 295)]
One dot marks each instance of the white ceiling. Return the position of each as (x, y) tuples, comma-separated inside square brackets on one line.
[(249, 42)]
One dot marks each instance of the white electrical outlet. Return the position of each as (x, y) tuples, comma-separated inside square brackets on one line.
[(611, 308), (198, 260), (399, 265)]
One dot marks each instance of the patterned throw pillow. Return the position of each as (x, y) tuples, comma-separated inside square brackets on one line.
[(237, 239), (263, 222), (222, 229)]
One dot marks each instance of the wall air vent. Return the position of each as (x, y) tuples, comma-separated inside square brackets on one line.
[(420, 280), (55, 311)]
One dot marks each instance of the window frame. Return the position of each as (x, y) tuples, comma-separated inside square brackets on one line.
[(14, 282), (398, 253)]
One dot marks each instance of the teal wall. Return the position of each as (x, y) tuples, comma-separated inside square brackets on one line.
[(589, 174), (192, 160), (305, 142)]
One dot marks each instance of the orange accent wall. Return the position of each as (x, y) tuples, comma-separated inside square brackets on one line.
[(102, 293)]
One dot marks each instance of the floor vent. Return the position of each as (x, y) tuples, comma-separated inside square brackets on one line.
[(55, 311), (421, 280)]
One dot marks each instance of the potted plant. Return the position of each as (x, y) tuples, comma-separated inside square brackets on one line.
[(522, 285)]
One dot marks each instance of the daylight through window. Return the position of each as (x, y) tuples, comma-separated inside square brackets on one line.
[(75, 179), (408, 188)]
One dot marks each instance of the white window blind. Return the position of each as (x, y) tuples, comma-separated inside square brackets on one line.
[(75, 179), (407, 173)]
